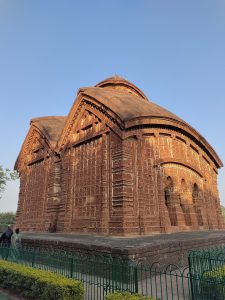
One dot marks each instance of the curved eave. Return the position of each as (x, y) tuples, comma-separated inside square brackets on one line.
[(97, 101), (82, 96), (45, 136), (180, 126), (20, 158)]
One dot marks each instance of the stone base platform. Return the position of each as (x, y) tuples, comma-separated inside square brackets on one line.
[(164, 248)]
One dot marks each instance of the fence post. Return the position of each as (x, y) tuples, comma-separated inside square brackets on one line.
[(136, 279), (33, 258), (191, 274), (71, 267)]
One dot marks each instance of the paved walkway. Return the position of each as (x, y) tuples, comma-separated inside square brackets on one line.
[(7, 295)]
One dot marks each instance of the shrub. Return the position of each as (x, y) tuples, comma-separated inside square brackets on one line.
[(6, 218), (38, 284), (211, 286), (217, 274), (126, 296)]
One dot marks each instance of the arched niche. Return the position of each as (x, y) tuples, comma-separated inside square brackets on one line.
[(197, 203), (184, 201), (183, 188), (195, 192), (169, 187)]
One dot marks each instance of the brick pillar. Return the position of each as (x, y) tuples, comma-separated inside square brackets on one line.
[(116, 205), (53, 197), (104, 219), (189, 210), (123, 216), (175, 211), (163, 209), (130, 222), (201, 215)]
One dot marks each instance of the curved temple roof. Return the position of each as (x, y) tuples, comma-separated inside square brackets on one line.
[(119, 83), (129, 104), (133, 108), (51, 127)]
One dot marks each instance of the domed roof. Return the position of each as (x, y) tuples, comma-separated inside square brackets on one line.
[(133, 108), (128, 106), (120, 84)]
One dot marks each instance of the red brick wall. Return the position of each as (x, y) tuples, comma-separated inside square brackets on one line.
[(141, 181), (32, 197)]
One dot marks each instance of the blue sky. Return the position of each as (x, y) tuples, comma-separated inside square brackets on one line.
[(174, 50)]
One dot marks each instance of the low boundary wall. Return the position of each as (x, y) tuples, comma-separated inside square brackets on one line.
[(164, 248)]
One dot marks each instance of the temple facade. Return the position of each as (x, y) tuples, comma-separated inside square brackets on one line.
[(118, 164)]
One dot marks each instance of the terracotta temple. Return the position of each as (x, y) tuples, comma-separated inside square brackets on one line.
[(118, 164)]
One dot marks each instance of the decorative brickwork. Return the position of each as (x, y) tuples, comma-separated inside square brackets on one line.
[(117, 165)]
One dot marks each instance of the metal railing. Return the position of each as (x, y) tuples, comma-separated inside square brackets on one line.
[(207, 269), (104, 274)]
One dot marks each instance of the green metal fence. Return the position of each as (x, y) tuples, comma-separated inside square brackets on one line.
[(104, 274), (100, 274), (207, 270)]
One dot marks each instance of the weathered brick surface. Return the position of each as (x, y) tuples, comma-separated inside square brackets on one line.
[(164, 248), (121, 166)]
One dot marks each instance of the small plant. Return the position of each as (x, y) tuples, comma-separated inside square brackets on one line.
[(212, 285), (126, 296)]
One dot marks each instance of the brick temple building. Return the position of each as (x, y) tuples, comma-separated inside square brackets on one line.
[(116, 165)]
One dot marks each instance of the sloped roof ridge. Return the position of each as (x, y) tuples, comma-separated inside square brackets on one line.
[(36, 119), (118, 81), (112, 78)]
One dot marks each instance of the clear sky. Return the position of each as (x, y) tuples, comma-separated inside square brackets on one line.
[(174, 50)]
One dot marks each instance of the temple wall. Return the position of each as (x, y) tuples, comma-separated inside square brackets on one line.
[(85, 178), (123, 212), (151, 181), (149, 187), (32, 197), (117, 164), (159, 181), (189, 182), (53, 198), (87, 186)]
